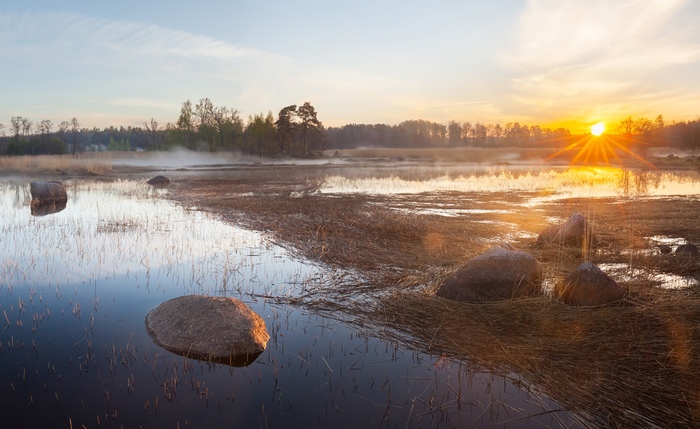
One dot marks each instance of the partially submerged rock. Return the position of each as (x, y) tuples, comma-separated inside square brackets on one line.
[(503, 272), (588, 285), (48, 192), (159, 181), (575, 231), (210, 328), (687, 249), (41, 208), (665, 249)]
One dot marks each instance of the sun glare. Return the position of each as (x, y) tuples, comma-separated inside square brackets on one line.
[(598, 129)]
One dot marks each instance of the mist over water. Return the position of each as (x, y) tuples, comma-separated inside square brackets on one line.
[(180, 158)]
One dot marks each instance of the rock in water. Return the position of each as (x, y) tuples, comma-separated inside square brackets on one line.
[(575, 231), (159, 181), (41, 208), (48, 192), (501, 273), (211, 328), (588, 285), (687, 249)]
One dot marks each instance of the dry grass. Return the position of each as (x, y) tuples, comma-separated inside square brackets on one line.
[(631, 365), (93, 163), (636, 364)]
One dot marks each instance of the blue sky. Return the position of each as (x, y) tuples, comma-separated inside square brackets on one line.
[(547, 62)]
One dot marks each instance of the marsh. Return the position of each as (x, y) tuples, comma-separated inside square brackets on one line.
[(342, 259)]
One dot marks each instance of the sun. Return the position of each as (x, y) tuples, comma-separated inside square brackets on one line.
[(598, 129)]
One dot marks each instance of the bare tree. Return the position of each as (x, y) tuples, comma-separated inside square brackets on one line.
[(154, 134), (44, 128), (63, 127), (75, 128), (626, 126), (26, 127), (643, 126), (16, 126)]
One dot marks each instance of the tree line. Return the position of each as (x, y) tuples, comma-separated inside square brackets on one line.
[(296, 131), (421, 134)]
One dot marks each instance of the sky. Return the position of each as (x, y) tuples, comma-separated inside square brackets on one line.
[(554, 63)]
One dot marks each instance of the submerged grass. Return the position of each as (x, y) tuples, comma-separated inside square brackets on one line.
[(631, 365), (634, 364)]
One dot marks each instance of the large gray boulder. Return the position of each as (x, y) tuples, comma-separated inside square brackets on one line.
[(574, 231), (503, 272), (588, 285), (211, 328), (48, 192)]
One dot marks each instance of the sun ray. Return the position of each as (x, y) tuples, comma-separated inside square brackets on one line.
[(602, 150)]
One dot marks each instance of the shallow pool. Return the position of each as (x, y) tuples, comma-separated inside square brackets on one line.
[(76, 285)]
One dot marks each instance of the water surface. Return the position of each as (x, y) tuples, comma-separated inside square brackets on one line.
[(75, 287)]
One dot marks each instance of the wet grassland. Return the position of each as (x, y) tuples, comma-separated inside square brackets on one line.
[(342, 260)]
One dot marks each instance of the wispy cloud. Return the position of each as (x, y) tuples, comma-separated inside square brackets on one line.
[(128, 65), (575, 55), (48, 31)]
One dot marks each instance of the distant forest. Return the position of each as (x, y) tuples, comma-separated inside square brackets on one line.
[(297, 132)]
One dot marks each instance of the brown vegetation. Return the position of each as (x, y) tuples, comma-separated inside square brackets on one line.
[(634, 364)]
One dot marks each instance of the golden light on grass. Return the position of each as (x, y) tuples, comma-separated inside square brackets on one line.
[(598, 129)]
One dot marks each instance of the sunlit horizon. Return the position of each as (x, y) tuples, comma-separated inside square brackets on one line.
[(553, 64)]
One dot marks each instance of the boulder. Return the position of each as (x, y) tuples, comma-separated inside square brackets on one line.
[(159, 181), (588, 285), (687, 249), (48, 192), (575, 231), (217, 329), (42, 208), (503, 272), (665, 249)]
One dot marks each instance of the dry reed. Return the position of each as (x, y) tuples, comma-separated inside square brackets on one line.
[(92, 163), (635, 364), (632, 365)]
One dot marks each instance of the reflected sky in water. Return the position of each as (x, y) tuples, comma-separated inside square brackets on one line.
[(75, 287), (557, 183)]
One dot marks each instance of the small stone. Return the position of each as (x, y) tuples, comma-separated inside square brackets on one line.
[(159, 181)]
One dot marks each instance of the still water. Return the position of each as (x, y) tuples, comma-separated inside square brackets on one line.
[(76, 285)]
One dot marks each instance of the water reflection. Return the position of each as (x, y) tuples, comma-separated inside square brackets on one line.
[(43, 208), (75, 288), (557, 183)]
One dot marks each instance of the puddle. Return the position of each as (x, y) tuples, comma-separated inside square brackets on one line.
[(624, 273), (447, 212), (76, 285), (550, 183)]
